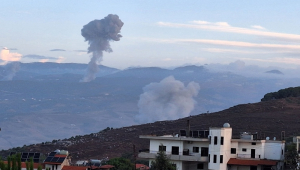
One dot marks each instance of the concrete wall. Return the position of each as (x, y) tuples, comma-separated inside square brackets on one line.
[(154, 145), (274, 151), (190, 145), (218, 149), (259, 151)]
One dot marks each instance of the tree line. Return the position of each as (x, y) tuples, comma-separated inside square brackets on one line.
[(14, 163), (283, 93)]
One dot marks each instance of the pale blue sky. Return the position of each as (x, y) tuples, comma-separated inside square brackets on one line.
[(158, 33)]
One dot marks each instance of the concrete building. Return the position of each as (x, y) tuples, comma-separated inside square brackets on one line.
[(215, 149)]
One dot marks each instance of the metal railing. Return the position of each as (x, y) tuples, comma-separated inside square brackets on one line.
[(248, 156)]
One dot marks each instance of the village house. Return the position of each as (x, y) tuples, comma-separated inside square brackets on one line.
[(59, 160), (215, 149)]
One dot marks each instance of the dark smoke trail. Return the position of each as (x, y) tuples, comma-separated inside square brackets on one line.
[(99, 33)]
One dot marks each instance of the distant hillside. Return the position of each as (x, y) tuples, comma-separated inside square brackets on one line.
[(267, 118), (283, 93)]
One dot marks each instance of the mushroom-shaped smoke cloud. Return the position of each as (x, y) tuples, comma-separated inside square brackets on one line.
[(167, 100), (99, 33)]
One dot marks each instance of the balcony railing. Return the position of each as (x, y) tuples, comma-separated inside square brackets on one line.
[(180, 157), (248, 156)]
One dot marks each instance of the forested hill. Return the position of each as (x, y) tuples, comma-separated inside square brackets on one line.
[(283, 93)]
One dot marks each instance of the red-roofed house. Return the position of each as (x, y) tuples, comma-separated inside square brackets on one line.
[(74, 168), (141, 167), (35, 165), (105, 167)]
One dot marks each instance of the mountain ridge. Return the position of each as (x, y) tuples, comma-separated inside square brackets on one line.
[(268, 118)]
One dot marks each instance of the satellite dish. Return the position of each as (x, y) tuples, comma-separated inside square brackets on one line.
[(267, 138)]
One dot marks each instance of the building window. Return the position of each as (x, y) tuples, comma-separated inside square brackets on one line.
[(204, 151), (221, 158), (210, 140), (216, 140), (208, 157), (196, 149), (233, 150), (222, 141), (215, 158), (162, 148), (253, 143), (254, 168), (200, 166), (175, 150), (244, 149)]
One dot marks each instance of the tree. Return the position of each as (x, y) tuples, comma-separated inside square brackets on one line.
[(120, 164), (19, 164), (291, 156), (31, 164), (27, 165), (161, 162), (9, 163)]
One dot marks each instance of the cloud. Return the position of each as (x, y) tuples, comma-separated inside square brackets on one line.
[(7, 56), (234, 44), (81, 51), (43, 60), (258, 27), (286, 60), (60, 59), (220, 50), (57, 50), (12, 49), (34, 56), (225, 27)]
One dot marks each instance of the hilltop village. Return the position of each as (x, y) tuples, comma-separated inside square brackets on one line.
[(214, 148), (256, 136)]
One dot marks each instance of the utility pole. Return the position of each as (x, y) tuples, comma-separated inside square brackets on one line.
[(134, 156)]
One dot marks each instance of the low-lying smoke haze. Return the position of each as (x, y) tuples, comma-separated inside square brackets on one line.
[(99, 33), (10, 62), (169, 99), (10, 70)]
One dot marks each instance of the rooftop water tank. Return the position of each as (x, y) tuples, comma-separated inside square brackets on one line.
[(226, 125)]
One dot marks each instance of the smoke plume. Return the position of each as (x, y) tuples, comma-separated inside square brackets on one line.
[(99, 33), (10, 70), (10, 62), (167, 100)]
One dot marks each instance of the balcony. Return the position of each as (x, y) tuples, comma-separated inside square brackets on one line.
[(248, 156), (152, 154)]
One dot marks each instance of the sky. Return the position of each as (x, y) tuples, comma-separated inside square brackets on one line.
[(155, 33)]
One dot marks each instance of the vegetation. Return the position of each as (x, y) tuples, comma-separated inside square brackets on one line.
[(283, 93), (291, 156), (162, 162), (121, 164), (13, 163)]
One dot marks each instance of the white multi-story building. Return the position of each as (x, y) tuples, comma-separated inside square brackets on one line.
[(217, 150)]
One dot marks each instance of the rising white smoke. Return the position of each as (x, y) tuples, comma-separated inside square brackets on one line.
[(99, 33), (10, 70), (167, 100), (10, 62)]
